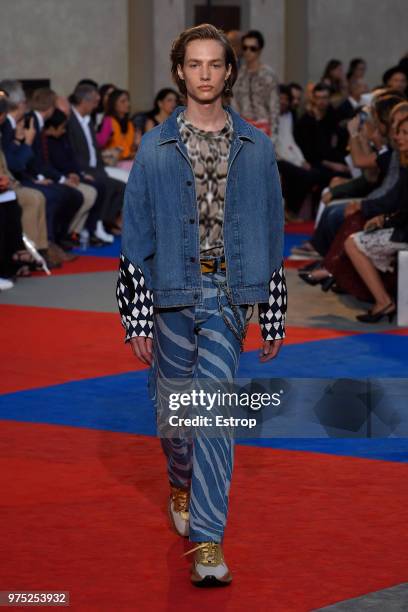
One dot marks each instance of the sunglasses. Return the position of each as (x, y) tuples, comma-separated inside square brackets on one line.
[(252, 48)]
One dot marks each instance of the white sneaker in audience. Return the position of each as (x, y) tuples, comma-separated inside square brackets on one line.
[(102, 234), (5, 284)]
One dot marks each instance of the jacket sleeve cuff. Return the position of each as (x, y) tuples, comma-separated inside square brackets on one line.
[(135, 301), (272, 315)]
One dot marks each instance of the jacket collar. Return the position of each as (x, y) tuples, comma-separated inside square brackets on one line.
[(169, 130)]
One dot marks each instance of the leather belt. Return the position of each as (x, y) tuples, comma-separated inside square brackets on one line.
[(211, 266)]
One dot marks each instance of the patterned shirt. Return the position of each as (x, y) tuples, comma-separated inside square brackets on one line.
[(256, 97), (209, 153)]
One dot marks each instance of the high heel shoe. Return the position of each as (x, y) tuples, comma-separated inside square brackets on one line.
[(370, 317), (327, 283)]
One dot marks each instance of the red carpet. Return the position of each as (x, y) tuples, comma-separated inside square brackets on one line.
[(306, 227), (45, 355), (93, 347), (83, 514)]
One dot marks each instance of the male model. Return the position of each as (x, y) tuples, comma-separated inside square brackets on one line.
[(202, 240)]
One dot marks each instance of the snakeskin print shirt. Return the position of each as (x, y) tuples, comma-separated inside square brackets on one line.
[(209, 153)]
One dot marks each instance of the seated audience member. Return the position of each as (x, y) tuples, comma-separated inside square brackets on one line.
[(104, 92), (349, 107), (82, 138), (23, 150), (317, 135), (13, 255), (164, 104), (296, 93), (333, 77), (374, 249), (395, 78), (333, 216), (298, 178), (59, 155), (117, 131), (356, 70), (31, 201), (384, 200)]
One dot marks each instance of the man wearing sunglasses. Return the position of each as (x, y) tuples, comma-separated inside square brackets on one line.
[(256, 92)]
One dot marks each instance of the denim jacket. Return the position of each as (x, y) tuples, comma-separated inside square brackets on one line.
[(160, 220)]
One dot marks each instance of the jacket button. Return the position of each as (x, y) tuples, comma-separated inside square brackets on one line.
[(192, 221), (192, 259), (195, 296), (189, 183)]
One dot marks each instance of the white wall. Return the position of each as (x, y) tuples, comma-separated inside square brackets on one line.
[(169, 19), (64, 40), (342, 29), (268, 16)]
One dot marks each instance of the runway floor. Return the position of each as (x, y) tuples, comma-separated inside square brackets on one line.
[(314, 524)]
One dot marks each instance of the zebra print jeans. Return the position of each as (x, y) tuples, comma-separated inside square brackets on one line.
[(203, 342)]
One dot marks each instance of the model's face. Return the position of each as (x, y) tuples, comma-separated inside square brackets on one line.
[(250, 49), (168, 104), (398, 82), (204, 71), (296, 98), (401, 137)]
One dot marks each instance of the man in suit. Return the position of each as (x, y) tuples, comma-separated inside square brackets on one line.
[(349, 107), (81, 135), (21, 141)]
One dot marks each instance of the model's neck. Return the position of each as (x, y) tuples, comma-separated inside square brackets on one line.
[(207, 117)]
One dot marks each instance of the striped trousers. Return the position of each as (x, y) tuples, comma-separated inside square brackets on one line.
[(199, 342)]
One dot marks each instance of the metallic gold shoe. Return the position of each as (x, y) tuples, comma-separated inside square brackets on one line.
[(209, 568), (178, 510)]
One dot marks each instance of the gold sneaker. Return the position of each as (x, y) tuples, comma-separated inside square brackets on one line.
[(178, 510), (209, 568)]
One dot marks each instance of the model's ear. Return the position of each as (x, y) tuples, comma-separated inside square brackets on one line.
[(180, 72), (229, 70)]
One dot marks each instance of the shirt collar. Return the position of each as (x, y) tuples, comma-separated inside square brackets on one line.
[(354, 102), (84, 119), (40, 119), (12, 121), (169, 130)]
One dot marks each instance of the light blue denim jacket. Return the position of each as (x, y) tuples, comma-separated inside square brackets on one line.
[(161, 227)]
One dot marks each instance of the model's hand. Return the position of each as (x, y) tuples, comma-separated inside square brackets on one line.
[(142, 349), (270, 348)]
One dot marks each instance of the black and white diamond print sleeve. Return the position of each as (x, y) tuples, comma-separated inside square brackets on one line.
[(272, 315), (135, 301)]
